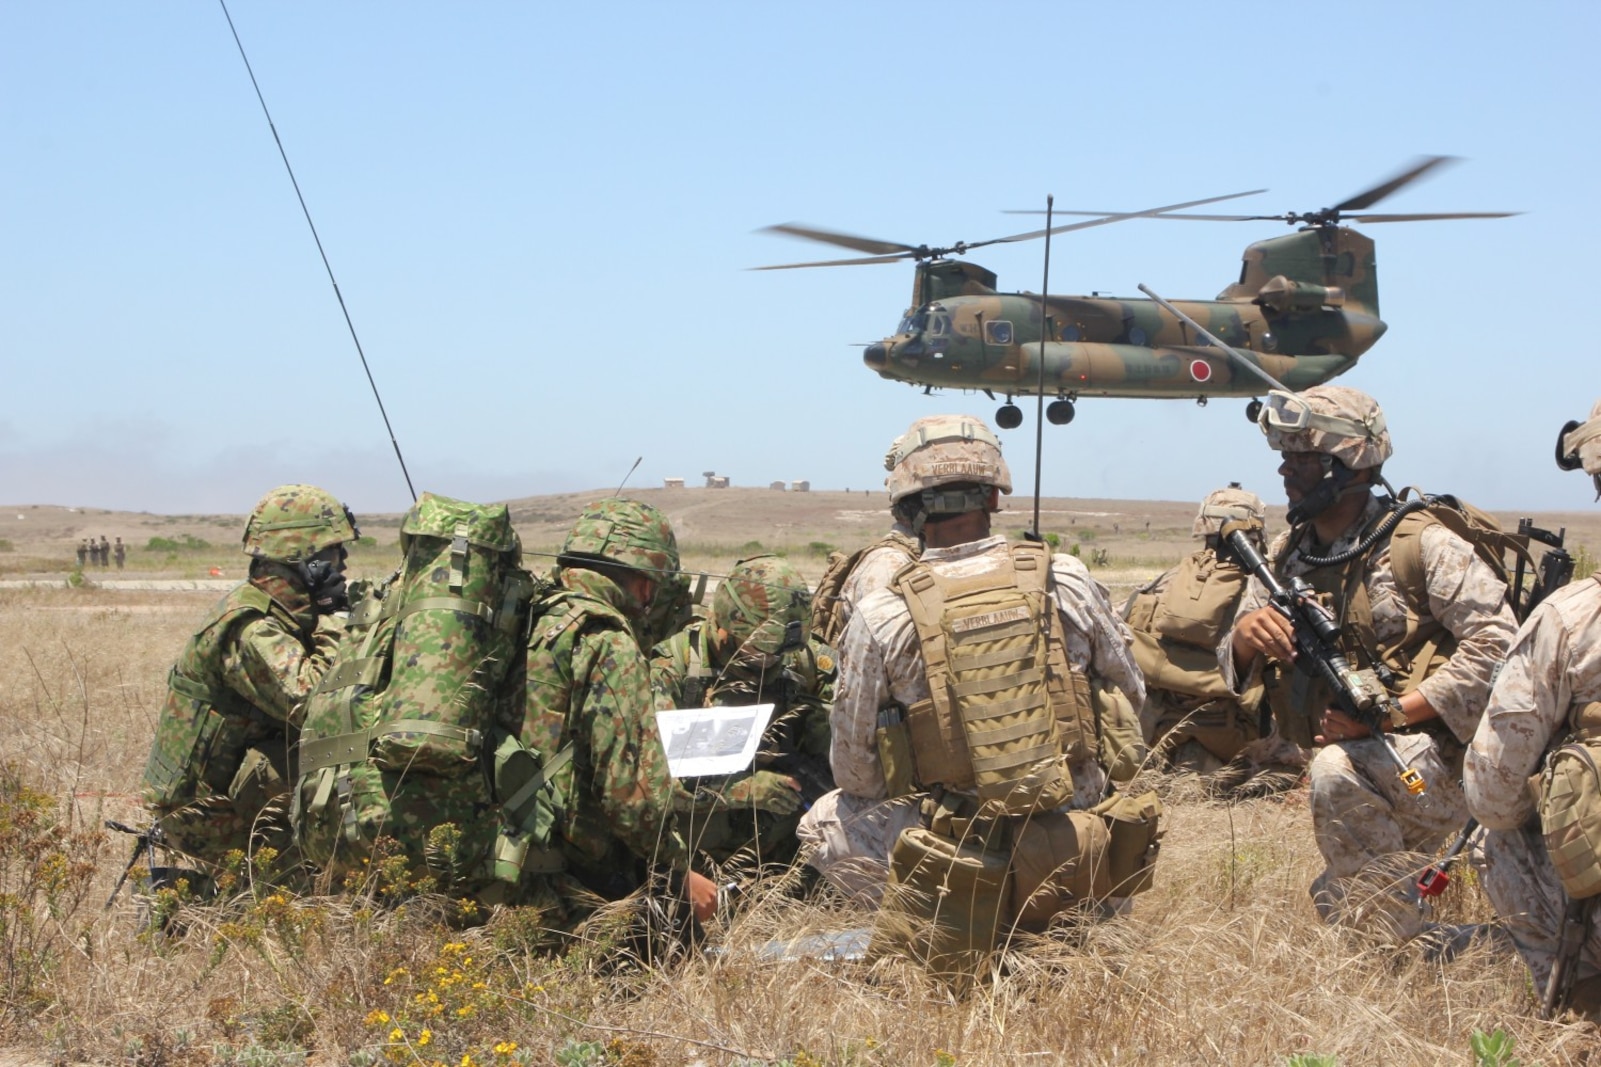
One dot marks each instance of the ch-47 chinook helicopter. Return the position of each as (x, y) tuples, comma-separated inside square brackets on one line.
[(1304, 309)]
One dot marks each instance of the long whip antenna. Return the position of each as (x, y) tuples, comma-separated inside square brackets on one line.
[(314, 236), (1045, 335)]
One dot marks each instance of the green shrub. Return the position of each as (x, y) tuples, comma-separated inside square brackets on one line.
[(813, 548), (6, 545)]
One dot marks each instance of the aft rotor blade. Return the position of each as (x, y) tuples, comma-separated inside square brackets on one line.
[(1406, 177), (870, 245), (1111, 218), (1427, 216), (899, 257), (1185, 215)]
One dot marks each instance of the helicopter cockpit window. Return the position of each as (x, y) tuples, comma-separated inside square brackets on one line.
[(998, 332), (939, 324)]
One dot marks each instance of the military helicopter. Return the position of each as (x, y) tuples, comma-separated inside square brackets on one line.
[(1304, 310)]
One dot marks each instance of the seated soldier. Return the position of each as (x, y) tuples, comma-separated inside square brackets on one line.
[(219, 771), (752, 648), (1192, 718)]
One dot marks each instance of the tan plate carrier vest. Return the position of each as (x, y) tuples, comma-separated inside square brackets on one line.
[(1007, 712), (1570, 803)]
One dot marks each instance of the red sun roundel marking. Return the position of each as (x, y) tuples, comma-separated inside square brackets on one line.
[(1201, 370)]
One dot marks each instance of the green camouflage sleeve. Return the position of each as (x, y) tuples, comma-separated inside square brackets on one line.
[(667, 670), (270, 667), (631, 783)]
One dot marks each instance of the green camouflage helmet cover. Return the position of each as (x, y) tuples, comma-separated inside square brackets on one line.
[(1332, 419), (944, 450), (1230, 504), (758, 601), (624, 532), (292, 523)]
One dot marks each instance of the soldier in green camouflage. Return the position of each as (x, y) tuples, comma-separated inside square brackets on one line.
[(219, 768), (752, 648), (587, 691)]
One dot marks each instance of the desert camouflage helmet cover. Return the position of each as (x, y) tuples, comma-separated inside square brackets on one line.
[(292, 523), (1581, 447), (1333, 419), (942, 450), (627, 532), (762, 600), (1231, 504)]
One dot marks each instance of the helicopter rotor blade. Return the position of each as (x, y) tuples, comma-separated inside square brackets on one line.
[(899, 257), (870, 245), (1184, 216), (1429, 216), (1372, 196), (1110, 218)]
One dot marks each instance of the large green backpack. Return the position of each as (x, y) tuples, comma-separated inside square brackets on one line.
[(400, 735)]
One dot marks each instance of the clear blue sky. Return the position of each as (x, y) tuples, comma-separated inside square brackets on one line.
[(540, 216)]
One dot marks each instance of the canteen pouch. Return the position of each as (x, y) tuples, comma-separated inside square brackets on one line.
[(1134, 825), (894, 742), (1059, 860), (945, 906), (1570, 818)]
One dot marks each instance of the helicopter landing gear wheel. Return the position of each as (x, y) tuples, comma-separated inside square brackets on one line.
[(1253, 410), (1009, 416), (1059, 412)]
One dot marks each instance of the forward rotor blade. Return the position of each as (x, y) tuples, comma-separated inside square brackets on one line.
[(870, 245), (1428, 216), (1184, 216), (1111, 218), (1379, 192), (898, 257)]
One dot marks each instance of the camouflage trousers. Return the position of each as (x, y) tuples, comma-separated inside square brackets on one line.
[(1196, 737), (1516, 872), (848, 839), (253, 815), (1374, 835)]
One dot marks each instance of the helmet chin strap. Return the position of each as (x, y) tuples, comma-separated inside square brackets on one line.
[(1336, 483)]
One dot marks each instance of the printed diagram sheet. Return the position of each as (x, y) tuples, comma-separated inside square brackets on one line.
[(712, 741)]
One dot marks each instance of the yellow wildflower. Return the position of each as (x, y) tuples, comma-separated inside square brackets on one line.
[(377, 1017), (424, 1037)]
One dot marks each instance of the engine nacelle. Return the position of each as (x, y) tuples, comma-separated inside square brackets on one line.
[(1282, 295)]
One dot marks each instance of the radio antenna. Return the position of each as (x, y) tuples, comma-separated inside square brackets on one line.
[(326, 265), (627, 476), (1045, 335)]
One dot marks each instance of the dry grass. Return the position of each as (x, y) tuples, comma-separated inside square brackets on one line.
[(1222, 962)]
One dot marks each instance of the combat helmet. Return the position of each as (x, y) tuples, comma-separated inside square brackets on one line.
[(1230, 504), (942, 450), (1579, 445), (1331, 419), (764, 605), (624, 532), (292, 523)]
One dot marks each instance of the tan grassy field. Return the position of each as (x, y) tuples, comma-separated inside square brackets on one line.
[(1222, 962)]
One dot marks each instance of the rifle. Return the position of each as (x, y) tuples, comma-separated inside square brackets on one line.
[(1555, 571), (1437, 875), (1565, 968), (1358, 693), (144, 841)]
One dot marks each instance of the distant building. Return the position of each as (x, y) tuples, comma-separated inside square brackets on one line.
[(800, 485), (779, 485), (717, 481), (672, 483)]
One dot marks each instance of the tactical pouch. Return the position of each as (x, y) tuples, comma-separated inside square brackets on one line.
[(1059, 860), (1135, 831), (946, 904), (1123, 748), (1570, 818), (939, 745), (894, 739), (177, 761)]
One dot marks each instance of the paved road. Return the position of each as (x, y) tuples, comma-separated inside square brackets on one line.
[(160, 585)]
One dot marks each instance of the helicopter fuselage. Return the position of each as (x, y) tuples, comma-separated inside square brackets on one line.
[(1109, 346)]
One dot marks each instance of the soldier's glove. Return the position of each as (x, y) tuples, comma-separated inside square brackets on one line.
[(765, 791)]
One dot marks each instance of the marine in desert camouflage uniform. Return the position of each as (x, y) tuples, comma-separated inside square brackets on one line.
[(1333, 441), (1552, 672), (1191, 719), (587, 685), (753, 648), (218, 774), (850, 832)]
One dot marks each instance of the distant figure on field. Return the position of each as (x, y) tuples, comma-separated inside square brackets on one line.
[(105, 552), (83, 552), (120, 552)]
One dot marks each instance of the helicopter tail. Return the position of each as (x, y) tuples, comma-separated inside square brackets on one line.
[(1327, 266)]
